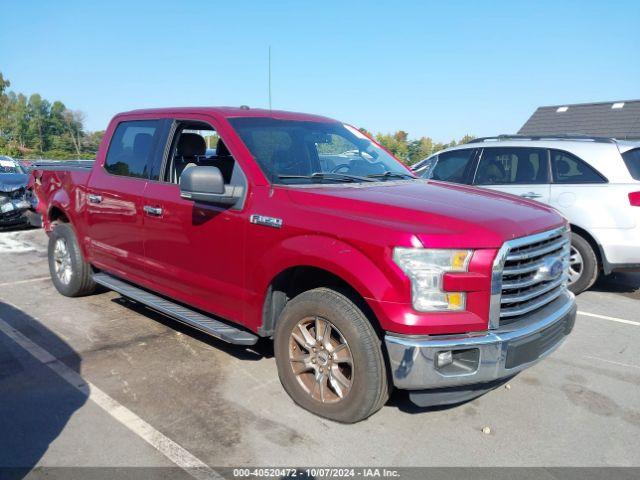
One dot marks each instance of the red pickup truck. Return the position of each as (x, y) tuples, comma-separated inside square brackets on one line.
[(248, 223)]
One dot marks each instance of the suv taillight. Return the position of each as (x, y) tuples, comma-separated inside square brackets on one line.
[(634, 199)]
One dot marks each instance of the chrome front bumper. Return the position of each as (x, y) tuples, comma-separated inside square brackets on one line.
[(501, 353)]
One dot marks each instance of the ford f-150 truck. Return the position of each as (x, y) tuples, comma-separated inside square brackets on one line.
[(248, 223)]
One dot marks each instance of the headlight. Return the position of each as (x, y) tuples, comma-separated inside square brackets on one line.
[(425, 268)]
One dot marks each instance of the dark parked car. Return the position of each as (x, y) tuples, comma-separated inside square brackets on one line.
[(15, 208)]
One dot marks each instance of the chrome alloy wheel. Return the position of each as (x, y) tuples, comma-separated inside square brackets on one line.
[(62, 260), (321, 359), (576, 265)]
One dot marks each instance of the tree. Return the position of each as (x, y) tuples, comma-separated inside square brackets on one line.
[(35, 127), (18, 121), (4, 109), (91, 143), (38, 111), (4, 84), (420, 149), (412, 151), (396, 143), (73, 121)]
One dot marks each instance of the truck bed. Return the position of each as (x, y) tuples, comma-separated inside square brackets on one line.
[(58, 165), (58, 186)]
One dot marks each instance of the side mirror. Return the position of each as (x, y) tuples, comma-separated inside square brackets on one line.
[(206, 184)]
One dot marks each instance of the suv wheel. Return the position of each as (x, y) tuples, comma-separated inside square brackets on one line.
[(329, 357), (583, 264), (70, 274)]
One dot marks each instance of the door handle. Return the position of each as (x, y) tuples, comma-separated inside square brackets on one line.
[(152, 211), (531, 195), (94, 198)]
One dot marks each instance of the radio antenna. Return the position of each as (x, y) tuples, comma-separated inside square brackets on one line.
[(269, 77)]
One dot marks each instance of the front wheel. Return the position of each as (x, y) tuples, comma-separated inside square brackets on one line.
[(329, 357), (583, 264)]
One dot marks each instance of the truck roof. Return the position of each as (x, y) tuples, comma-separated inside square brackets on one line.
[(230, 112)]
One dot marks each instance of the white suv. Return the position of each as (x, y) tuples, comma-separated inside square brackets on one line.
[(594, 182)]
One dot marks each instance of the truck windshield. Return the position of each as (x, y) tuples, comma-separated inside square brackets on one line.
[(301, 152)]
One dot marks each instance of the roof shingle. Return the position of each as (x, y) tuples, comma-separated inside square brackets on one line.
[(597, 119)]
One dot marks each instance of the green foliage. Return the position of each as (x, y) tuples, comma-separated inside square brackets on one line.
[(211, 140), (412, 151), (36, 128), (334, 145)]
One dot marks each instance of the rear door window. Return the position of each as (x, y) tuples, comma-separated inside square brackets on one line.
[(453, 166), (568, 168), (131, 148), (513, 166), (632, 159)]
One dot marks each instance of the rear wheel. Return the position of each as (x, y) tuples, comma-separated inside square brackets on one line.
[(583, 264), (329, 357), (70, 274)]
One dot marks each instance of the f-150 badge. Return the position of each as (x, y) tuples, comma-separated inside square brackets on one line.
[(266, 221)]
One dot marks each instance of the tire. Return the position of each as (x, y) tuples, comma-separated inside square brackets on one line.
[(366, 388), (586, 275), (70, 273)]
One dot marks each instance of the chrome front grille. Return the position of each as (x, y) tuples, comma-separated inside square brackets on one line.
[(525, 276)]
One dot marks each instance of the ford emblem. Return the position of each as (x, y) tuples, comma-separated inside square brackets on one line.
[(550, 270)]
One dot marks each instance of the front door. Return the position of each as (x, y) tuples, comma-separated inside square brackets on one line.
[(195, 251), (520, 171)]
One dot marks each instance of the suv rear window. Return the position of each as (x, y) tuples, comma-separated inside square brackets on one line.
[(568, 168), (632, 159)]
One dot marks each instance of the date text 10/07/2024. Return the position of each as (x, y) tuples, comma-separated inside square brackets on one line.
[(308, 473)]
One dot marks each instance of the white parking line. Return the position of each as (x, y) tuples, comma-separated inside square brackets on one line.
[(612, 319), (612, 362), (170, 449), (19, 282)]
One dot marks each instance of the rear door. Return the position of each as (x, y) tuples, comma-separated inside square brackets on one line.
[(522, 171), (583, 195), (114, 198)]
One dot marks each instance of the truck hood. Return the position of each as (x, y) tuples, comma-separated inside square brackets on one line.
[(439, 214)]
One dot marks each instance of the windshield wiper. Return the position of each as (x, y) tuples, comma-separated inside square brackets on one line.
[(340, 177), (390, 175)]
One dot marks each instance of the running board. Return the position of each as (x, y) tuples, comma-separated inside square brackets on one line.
[(202, 322)]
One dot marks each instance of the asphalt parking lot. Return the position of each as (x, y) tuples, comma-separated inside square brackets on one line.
[(100, 381)]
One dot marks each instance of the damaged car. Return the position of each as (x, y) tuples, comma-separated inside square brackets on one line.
[(15, 207)]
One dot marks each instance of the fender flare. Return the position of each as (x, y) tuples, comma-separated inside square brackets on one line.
[(61, 201), (599, 249), (326, 253), (347, 263)]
